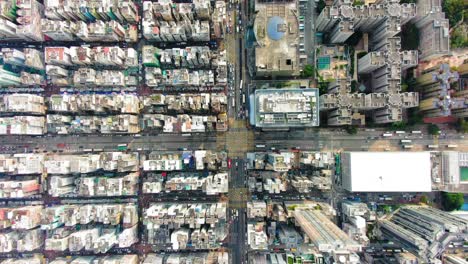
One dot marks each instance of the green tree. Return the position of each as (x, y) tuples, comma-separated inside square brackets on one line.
[(399, 125), (454, 10), (452, 201), (414, 117), (352, 130), (308, 71), (354, 86), (358, 3), (433, 129), (459, 38), (462, 126), (423, 199), (320, 6)]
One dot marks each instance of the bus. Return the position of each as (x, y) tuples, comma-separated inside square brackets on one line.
[(404, 141), (400, 132), (122, 147), (408, 146), (416, 132), (243, 98), (432, 146), (387, 135), (452, 146), (240, 86)]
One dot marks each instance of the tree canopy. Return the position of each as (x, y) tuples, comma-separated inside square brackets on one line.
[(462, 126), (308, 71), (352, 130), (452, 201), (454, 10), (433, 129)]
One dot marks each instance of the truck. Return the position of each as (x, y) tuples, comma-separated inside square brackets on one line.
[(122, 147)]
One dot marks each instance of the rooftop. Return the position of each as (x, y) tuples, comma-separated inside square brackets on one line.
[(285, 108)]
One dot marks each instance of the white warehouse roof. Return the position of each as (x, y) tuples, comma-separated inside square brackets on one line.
[(386, 171)]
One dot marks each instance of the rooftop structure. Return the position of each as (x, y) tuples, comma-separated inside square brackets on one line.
[(22, 20), (21, 163), (454, 171), (21, 241), (434, 39), (165, 21), (22, 125), (184, 123), (175, 161), (77, 186), (128, 259), (171, 223), (36, 259), (212, 184), (202, 102), (95, 103), (22, 104), (438, 98), (277, 108), (22, 188), (21, 67), (114, 225), (384, 63), (423, 230), (385, 171), (20, 218), (276, 35), (326, 236), (256, 236), (256, 209), (384, 19), (114, 124), (192, 257)]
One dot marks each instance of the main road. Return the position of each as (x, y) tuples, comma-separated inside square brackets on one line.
[(305, 140)]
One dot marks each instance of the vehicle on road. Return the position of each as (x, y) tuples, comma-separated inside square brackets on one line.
[(229, 163), (387, 134), (452, 146), (404, 141), (432, 146), (408, 146), (122, 147)]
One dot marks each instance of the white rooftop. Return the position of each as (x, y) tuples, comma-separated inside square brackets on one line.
[(387, 171)]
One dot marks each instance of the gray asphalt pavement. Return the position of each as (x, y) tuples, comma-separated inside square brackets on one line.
[(305, 140)]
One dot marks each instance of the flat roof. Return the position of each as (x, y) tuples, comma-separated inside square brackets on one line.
[(275, 108), (389, 172)]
